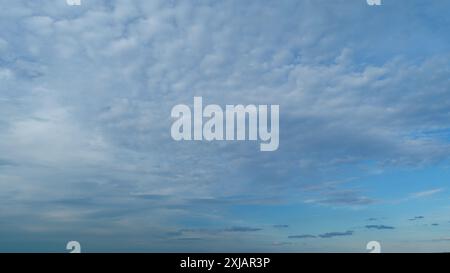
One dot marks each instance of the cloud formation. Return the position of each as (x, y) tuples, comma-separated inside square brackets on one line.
[(416, 218), (242, 229), (335, 234), (427, 193), (280, 226), (379, 227), (303, 236)]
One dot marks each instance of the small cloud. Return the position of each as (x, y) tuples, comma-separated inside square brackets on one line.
[(444, 239), (344, 198), (379, 227), (242, 229), (174, 233), (280, 226), (435, 224), (303, 236), (336, 234), (150, 196), (189, 239), (372, 219), (281, 243), (416, 218), (428, 193)]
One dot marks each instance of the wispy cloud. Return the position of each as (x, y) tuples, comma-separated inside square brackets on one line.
[(344, 198), (280, 226), (443, 239), (242, 229), (303, 236), (336, 234), (281, 243), (426, 193), (379, 227), (416, 218)]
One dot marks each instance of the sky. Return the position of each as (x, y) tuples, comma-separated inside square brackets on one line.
[(86, 153)]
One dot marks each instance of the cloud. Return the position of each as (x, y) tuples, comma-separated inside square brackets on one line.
[(281, 243), (189, 239), (242, 229), (336, 234), (427, 193), (323, 236), (280, 226), (445, 239), (379, 227), (416, 218), (343, 198), (303, 236)]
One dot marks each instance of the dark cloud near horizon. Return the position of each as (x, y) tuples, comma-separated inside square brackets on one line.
[(189, 239), (303, 236), (323, 236), (379, 227), (416, 218), (242, 229), (336, 234)]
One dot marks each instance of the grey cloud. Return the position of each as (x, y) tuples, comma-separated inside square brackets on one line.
[(190, 239), (323, 236), (442, 240), (281, 243), (156, 197), (303, 236), (208, 234), (379, 227), (242, 229), (344, 198), (335, 234), (416, 218)]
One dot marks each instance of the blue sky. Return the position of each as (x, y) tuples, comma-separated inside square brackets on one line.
[(85, 147)]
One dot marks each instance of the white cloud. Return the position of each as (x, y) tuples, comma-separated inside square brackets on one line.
[(427, 193)]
